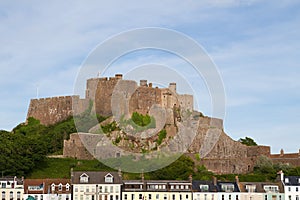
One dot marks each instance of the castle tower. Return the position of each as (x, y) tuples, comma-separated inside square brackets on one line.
[(172, 87), (143, 83)]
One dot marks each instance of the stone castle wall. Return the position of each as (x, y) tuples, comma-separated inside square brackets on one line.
[(225, 156), (74, 148), (287, 158)]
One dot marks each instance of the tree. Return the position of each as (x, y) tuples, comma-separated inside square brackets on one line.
[(247, 141)]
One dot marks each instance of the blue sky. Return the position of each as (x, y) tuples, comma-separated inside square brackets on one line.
[(255, 45)]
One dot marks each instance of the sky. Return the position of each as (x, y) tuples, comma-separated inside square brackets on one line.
[(254, 44)]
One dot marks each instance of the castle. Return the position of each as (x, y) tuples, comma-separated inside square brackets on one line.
[(224, 156)]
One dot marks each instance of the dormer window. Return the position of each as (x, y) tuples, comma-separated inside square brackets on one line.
[(52, 187), (203, 188), (250, 188), (84, 178), (60, 187), (286, 180), (109, 178), (67, 186), (298, 180), (271, 188), (227, 187)]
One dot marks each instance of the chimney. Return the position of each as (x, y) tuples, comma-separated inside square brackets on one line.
[(72, 175), (237, 180), (120, 173), (191, 178), (281, 175), (299, 153), (150, 85), (214, 180), (143, 177)]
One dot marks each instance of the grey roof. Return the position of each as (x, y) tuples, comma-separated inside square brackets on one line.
[(95, 177), (197, 183), (292, 180)]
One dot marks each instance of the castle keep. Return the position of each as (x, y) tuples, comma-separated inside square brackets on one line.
[(225, 156)]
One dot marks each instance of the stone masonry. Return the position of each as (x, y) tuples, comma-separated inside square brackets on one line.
[(224, 155)]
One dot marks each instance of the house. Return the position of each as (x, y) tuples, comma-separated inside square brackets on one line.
[(261, 191), (11, 188), (47, 189), (204, 190), (156, 190), (96, 185), (291, 186)]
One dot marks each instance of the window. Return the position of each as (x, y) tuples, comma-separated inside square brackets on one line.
[(165, 197), (187, 187), (76, 189), (18, 195), (3, 195), (227, 187), (36, 197), (296, 189), (111, 197), (41, 197), (173, 197), (108, 178), (84, 178), (81, 189), (157, 196), (81, 197), (87, 189), (132, 196), (297, 197), (290, 197), (68, 198), (203, 188), (125, 196), (250, 188), (140, 196), (117, 189), (286, 180), (111, 189), (68, 187), (172, 187), (271, 188), (105, 189), (11, 195), (3, 185), (186, 196), (280, 197), (236, 197), (223, 197), (266, 197), (117, 197), (289, 189), (180, 197), (60, 187), (149, 196)]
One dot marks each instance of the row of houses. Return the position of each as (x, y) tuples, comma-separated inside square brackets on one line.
[(87, 185)]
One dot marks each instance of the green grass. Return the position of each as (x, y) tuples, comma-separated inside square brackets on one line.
[(61, 167)]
